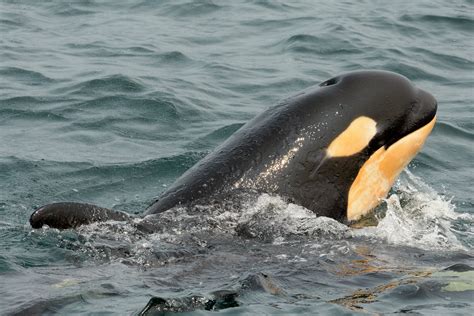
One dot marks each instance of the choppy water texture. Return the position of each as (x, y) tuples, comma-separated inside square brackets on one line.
[(109, 101)]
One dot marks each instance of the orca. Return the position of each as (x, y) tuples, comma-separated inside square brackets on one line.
[(335, 148)]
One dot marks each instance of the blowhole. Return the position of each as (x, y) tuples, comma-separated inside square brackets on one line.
[(329, 82)]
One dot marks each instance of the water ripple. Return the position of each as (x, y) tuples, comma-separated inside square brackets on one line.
[(11, 114), (414, 72), (25, 76), (107, 85), (191, 8), (309, 44), (131, 107), (462, 23), (451, 130)]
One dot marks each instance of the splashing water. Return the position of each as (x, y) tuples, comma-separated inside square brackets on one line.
[(416, 215)]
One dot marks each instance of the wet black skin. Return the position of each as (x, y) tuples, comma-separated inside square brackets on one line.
[(309, 121), (69, 214)]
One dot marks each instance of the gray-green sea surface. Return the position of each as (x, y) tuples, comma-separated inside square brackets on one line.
[(108, 102)]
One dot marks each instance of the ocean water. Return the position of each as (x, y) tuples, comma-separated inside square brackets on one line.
[(108, 102)]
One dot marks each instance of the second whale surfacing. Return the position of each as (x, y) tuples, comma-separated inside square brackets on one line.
[(335, 149)]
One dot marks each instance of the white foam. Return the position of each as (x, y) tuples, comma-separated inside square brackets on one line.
[(417, 216), (274, 217)]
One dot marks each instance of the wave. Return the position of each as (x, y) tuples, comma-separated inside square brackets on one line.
[(443, 60), (190, 8), (451, 130), (21, 101), (462, 23), (274, 5), (128, 108), (152, 54), (25, 76), (68, 9), (413, 72), (30, 115), (10, 22), (273, 24), (320, 45), (102, 50), (174, 165), (114, 83)]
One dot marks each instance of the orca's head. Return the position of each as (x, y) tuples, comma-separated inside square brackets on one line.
[(386, 122)]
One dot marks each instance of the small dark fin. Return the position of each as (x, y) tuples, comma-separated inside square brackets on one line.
[(71, 215), (217, 300), (459, 267)]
